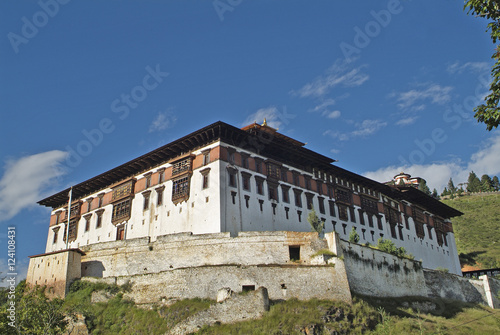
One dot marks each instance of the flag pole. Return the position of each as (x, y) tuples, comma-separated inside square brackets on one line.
[(69, 215)]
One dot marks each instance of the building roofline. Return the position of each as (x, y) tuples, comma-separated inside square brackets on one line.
[(260, 139), (275, 145)]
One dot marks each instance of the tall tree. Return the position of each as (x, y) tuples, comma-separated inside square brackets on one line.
[(489, 112), (435, 194), (496, 183), (451, 186), (486, 183), (473, 183), (422, 186)]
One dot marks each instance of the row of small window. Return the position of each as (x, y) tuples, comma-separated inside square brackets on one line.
[(280, 173), (346, 213), (73, 227)]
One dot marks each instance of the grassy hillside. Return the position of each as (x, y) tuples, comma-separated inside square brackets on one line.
[(318, 317), (477, 232)]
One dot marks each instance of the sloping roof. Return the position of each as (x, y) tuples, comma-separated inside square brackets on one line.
[(260, 139), (277, 146)]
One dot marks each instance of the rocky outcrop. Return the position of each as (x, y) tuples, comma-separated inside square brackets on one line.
[(233, 308)]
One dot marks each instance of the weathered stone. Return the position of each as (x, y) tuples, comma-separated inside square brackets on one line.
[(224, 294), (251, 305), (76, 325)]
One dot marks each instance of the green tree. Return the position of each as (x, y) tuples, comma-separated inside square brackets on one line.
[(353, 236), (473, 183), (496, 183), (435, 194), (36, 314), (422, 186), (486, 183), (445, 192), (451, 186), (488, 112), (390, 247), (316, 224)]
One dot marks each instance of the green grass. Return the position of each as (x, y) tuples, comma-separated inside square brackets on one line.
[(477, 232), (294, 317), (367, 315)]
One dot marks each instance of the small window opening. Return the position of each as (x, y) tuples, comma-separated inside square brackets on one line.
[(247, 288), (294, 251)]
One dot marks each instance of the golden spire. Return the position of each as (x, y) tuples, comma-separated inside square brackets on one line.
[(265, 122)]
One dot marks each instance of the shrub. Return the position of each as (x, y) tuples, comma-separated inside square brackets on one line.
[(353, 236)]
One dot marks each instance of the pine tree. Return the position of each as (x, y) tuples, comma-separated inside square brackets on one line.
[(445, 192), (435, 194), (451, 187), (473, 183), (496, 183), (422, 186), (486, 183)]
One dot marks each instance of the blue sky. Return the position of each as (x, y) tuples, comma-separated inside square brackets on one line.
[(381, 86)]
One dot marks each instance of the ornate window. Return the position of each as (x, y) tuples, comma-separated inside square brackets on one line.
[(75, 210), (181, 166), (180, 189), (343, 212), (72, 231), (121, 211), (123, 190), (273, 171), (369, 205), (343, 195)]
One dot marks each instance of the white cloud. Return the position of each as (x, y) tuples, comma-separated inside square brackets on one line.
[(341, 73), (163, 121), (475, 67), (407, 121), (368, 127), (436, 175), (332, 114), (484, 161), (26, 179), (487, 159), (334, 151), (274, 117), (415, 99), (323, 106), (363, 129)]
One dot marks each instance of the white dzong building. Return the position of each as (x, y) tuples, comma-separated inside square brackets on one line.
[(225, 179)]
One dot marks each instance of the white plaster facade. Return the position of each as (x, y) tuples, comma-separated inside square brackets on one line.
[(223, 202)]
